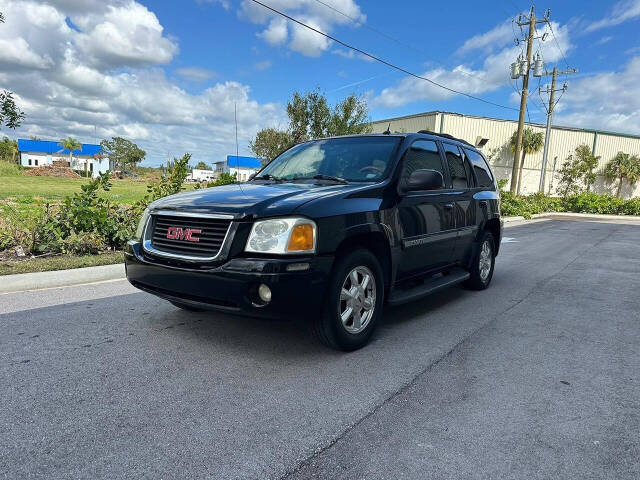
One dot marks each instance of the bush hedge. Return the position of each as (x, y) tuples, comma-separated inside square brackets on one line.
[(585, 202)]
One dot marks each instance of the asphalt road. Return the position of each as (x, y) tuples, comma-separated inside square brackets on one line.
[(536, 377)]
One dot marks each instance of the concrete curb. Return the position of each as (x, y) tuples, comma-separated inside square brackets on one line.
[(512, 221), (60, 278)]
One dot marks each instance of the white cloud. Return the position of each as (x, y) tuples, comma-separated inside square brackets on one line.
[(263, 65), (300, 39), (196, 74), (605, 39), (66, 82), (126, 35), (225, 3), (350, 54), (621, 12), (608, 101), (307, 42), (633, 50), (489, 41), (276, 33), (492, 75)]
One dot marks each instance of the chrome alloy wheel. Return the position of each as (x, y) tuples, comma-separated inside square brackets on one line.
[(357, 299), (486, 259)]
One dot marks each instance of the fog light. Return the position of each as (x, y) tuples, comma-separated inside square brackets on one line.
[(264, 293), (297, 267)]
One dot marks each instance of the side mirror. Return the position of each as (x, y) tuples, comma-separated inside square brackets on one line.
[(251, 176), (423, 179)]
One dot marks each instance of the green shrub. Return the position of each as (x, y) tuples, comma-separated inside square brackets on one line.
[(19, 225), (588, 202), (8, 169), (83, 243), (585, 202), (631, 207), (169, 184), (85, 222)]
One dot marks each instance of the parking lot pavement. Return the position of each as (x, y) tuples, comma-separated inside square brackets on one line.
[(536, 377)]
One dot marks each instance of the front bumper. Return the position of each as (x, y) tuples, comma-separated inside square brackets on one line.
[(232, 286)]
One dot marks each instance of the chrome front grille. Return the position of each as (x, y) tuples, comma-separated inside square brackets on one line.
[(186, 236)]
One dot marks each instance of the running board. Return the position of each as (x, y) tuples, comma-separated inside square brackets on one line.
[(456, 275)]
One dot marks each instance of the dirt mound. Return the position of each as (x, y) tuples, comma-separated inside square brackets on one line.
[(51, 171)]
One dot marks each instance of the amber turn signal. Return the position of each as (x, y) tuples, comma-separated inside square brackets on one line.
[(301, 238)]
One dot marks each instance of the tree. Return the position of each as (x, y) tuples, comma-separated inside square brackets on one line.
[(269, 143), (8, 149), (10, 114), (623, 166), (576, 170), (71, 144), (124, 153), (202, 166), (310, 116), (532, 142)]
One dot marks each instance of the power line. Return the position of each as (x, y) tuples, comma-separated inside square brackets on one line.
[(378, 59), (387, 36), (557, 44)]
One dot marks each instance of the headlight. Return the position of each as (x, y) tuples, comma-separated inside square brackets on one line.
[(142, 223), (282, 235)]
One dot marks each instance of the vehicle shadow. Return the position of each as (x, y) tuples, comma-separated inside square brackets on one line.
[(284, 338)]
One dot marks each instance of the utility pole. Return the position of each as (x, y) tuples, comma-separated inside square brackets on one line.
[(552, 104), (523, 68)]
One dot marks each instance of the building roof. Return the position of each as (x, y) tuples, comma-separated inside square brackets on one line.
[(542, 125), (48, 146), (246, 162)]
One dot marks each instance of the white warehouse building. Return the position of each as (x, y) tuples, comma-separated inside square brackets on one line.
[(497, 133)]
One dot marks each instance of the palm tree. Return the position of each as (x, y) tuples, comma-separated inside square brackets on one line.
[(70, 144), (623, 166), (532, 142)]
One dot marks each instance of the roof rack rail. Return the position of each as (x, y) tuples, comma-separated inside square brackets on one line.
[(445, 135)]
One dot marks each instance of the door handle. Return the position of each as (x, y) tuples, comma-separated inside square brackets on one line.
[(448, 205)]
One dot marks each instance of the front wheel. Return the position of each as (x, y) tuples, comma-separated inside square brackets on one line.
[(354, 302), (482, 264)]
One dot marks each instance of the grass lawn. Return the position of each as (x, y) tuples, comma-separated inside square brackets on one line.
[(52, 189), (59, 262)]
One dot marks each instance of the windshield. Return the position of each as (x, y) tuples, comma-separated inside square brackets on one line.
[(355, 159)]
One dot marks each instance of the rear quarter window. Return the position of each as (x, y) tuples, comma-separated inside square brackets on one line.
[(480, 168)]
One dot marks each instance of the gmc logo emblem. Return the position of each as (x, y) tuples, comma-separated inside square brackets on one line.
[(179, 233)]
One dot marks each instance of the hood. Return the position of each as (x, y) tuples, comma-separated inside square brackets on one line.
[(252, 199)]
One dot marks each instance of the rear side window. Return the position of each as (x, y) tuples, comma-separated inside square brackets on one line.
[(458, 169), (423, 154), (481, 169)]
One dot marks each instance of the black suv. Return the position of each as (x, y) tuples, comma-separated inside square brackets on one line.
[(328, 231)]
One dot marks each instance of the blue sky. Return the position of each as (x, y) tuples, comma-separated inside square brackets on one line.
[(167, 74)]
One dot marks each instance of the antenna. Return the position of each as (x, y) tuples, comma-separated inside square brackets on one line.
[(235, 117), (388, 130)]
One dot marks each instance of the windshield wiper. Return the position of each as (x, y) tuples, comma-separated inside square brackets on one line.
[(331, 178)]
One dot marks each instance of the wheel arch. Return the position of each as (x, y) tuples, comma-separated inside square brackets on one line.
[(493, 226), (374, 240)]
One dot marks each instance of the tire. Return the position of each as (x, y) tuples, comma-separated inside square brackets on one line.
[(368, 302), (188, 308), (480, 276)]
